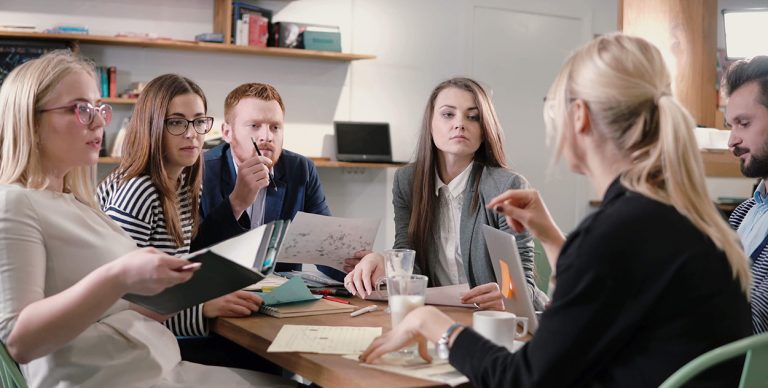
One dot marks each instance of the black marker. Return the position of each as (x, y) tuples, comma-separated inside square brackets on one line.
[(271, 176)]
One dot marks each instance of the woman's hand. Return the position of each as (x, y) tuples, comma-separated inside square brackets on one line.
[(485, 297), (148, 271), (361, 280), (524, 209), (420, 325), (237, 304)]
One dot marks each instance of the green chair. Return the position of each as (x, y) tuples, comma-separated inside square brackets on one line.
[(10, 375), (543, 270), (754, 374)]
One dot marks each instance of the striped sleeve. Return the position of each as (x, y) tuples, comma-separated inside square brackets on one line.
[(131, 206), (136, 206), (759, 291)]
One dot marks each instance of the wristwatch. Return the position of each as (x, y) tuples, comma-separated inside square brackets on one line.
[(442, 343)]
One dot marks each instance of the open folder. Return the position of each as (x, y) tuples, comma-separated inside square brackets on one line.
[(293, 299), (226, 267)]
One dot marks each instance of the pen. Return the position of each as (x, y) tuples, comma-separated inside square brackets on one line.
[(258, 152), (331, 291), (364, 310), (335, 299)]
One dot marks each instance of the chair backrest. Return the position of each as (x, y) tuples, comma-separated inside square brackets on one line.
[(10, 375), (754, 374)]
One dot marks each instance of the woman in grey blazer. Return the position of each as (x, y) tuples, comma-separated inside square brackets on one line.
[(460, 165)]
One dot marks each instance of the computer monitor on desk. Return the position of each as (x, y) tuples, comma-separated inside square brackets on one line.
[(362, 142)]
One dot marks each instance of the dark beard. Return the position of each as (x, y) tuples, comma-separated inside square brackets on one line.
[(757, 168)]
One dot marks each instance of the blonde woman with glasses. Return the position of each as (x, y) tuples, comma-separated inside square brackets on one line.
[(64, 265), (652, 279)]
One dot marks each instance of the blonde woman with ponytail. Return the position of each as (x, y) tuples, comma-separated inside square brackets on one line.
[(649, 281)]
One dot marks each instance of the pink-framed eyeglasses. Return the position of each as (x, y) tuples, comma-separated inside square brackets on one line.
[(85, 111)]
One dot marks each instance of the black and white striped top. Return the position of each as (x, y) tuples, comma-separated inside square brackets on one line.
[(137, 207), (759, 291)]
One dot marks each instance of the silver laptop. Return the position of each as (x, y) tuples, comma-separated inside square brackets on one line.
[(508, 268)]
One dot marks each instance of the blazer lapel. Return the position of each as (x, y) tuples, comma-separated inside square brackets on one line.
[(468, 220), (274, 203)]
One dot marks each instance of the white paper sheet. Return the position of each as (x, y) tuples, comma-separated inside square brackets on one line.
[(315, 239), (439, 370), (448, 295), (271, 280), (324, 339)]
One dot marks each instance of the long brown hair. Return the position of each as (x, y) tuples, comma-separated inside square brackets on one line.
[(143, 149), (490, 153), (627, 86)]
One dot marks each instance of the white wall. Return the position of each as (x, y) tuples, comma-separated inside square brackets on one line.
[(418, 43)]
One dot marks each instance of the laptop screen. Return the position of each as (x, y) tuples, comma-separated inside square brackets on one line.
[(362, 142)]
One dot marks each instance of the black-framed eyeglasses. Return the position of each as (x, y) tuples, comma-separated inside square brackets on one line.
[(85, 111), (178, 126)]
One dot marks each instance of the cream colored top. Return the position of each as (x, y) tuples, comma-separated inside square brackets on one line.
[(48, 242), (450, 265)]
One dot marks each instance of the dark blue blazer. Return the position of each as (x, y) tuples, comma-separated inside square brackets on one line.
[(298, 189)]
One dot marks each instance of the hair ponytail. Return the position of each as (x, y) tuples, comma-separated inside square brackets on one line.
[(626, 84)]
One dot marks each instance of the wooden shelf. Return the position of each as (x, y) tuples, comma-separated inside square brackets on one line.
[(325, 162), (118, 100), (185, 45), (720, 164), (319, 162), (108, 160)]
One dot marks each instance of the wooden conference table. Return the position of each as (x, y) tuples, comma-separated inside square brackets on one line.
[(327, 370)]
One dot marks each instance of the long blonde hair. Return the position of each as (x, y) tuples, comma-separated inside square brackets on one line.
[(627, 87), (26, 89)]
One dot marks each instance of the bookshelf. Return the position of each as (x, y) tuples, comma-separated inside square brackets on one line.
[(118, 100), (172, 44), (319, 162)]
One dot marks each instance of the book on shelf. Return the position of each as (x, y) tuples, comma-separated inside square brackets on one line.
[(112, 76), (239, 10)]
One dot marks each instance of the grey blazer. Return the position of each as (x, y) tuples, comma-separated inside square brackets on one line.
[(477, 262)]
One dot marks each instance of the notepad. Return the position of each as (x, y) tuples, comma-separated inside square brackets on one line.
[(293, 299), (324, 339)]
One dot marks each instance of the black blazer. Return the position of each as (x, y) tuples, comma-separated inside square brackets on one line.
[(640, 292)]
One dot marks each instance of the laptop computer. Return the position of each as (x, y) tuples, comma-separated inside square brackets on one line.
[(362, 142), (508, 268)]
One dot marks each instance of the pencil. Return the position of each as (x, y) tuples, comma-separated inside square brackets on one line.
[(258, 152)]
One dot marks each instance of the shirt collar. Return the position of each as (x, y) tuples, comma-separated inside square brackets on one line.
[(457, 185), (760, 195)]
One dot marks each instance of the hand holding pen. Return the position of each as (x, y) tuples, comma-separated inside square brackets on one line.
[(271, 175), (253, 175)]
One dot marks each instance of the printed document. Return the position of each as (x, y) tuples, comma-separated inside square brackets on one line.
[(324, 339), (325, 240)]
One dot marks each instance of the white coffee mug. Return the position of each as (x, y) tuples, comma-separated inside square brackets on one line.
[(501, 327)]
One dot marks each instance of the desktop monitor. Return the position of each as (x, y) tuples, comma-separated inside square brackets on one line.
[(362, 142)]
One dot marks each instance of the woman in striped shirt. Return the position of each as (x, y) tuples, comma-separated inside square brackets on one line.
[(154, 193)]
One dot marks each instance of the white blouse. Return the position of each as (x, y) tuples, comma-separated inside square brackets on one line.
[(450, 266)]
